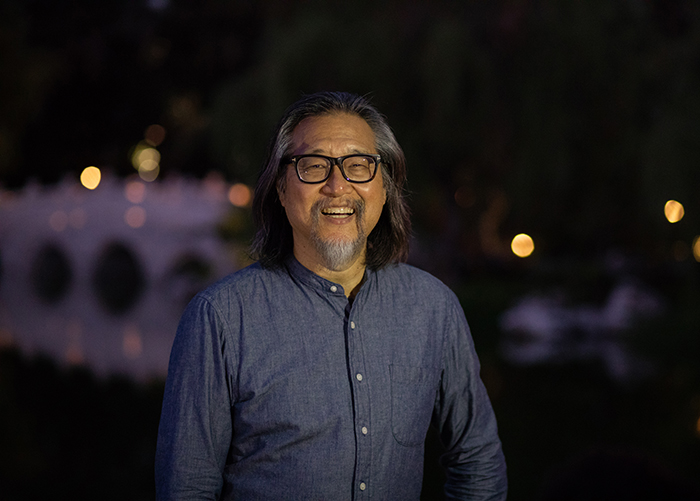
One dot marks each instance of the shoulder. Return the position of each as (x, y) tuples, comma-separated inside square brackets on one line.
[(411, 280), (245, 282), (406, 273)]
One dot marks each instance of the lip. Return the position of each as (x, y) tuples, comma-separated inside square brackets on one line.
[(339, 219), (338, 211), (338, 215)]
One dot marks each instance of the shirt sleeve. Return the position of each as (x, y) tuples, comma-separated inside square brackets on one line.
[(195, 424), (474, 462)]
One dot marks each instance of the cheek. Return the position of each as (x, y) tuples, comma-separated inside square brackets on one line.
[(296, 203), (281, 196), (381, 201), (375, 206)]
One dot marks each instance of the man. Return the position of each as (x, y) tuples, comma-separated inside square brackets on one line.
[(316, 372)]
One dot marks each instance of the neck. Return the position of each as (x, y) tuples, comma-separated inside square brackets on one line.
[(350, 277)]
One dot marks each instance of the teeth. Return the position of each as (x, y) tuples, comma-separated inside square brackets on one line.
[(334, 211)]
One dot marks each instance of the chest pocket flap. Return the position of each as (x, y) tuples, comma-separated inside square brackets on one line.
[(413, 391)]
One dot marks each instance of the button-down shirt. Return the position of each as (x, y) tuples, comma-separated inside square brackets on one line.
[(279, 387)]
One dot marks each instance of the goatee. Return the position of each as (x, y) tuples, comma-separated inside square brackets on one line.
[(339, 253)]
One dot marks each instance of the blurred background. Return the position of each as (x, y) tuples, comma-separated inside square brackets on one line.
[(552, 158)]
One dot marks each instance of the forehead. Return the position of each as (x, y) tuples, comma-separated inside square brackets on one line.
[(331, 133)]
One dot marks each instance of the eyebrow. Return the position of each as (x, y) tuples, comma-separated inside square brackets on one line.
[(319, 151)]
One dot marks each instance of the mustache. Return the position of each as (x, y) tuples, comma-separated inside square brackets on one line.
[(325, 203), (357, 205)]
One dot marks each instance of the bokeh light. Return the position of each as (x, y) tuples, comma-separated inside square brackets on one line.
[(144, 153), (74, 332), (146, 160), (149, 175), (696, 248), (215, 186), (132, 344), (240, 195), (148, 165), (522, 245), (674, 211), (74, 354), (135, 192), (58, 220), (680, 250), (155, 134), (90, 177), (77, 218), (135, 216)]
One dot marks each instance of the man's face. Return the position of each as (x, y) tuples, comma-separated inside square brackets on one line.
[(331, 220)]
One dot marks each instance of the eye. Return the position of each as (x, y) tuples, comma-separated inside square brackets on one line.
[(314, 166), (312, 169), (357, 163)]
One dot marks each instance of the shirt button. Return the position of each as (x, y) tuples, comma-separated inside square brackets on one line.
[(364, 430), (334, 288), (363, 486), (358, 376), (352, 325)]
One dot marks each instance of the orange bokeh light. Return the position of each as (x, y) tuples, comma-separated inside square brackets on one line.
[(90, 177), (674, 211), (240, 195), (522, 245)]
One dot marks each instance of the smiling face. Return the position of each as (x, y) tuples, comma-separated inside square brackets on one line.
[(331, 220)]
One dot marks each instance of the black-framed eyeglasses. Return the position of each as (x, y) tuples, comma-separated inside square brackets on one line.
[(355, 168)]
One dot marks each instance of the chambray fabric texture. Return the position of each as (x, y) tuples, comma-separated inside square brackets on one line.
[(279, 388)]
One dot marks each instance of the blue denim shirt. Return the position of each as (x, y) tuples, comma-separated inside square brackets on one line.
[(280, 388)]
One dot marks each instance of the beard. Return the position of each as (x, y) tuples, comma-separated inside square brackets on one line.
[(339, 253)]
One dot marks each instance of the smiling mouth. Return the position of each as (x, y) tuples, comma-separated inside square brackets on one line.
[(338, 211)]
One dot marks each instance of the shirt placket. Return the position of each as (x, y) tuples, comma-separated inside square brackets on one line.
[(360, 381)]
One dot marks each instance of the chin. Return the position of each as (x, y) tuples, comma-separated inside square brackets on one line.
[(339, 253)]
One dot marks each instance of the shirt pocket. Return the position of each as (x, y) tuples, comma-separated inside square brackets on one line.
[(413, 391)]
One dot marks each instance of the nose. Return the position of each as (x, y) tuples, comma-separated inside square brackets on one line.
[(336, 185)]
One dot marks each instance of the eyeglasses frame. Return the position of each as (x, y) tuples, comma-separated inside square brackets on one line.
[(336, 161)]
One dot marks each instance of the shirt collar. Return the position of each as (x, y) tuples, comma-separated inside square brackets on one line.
[(299, 272)]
